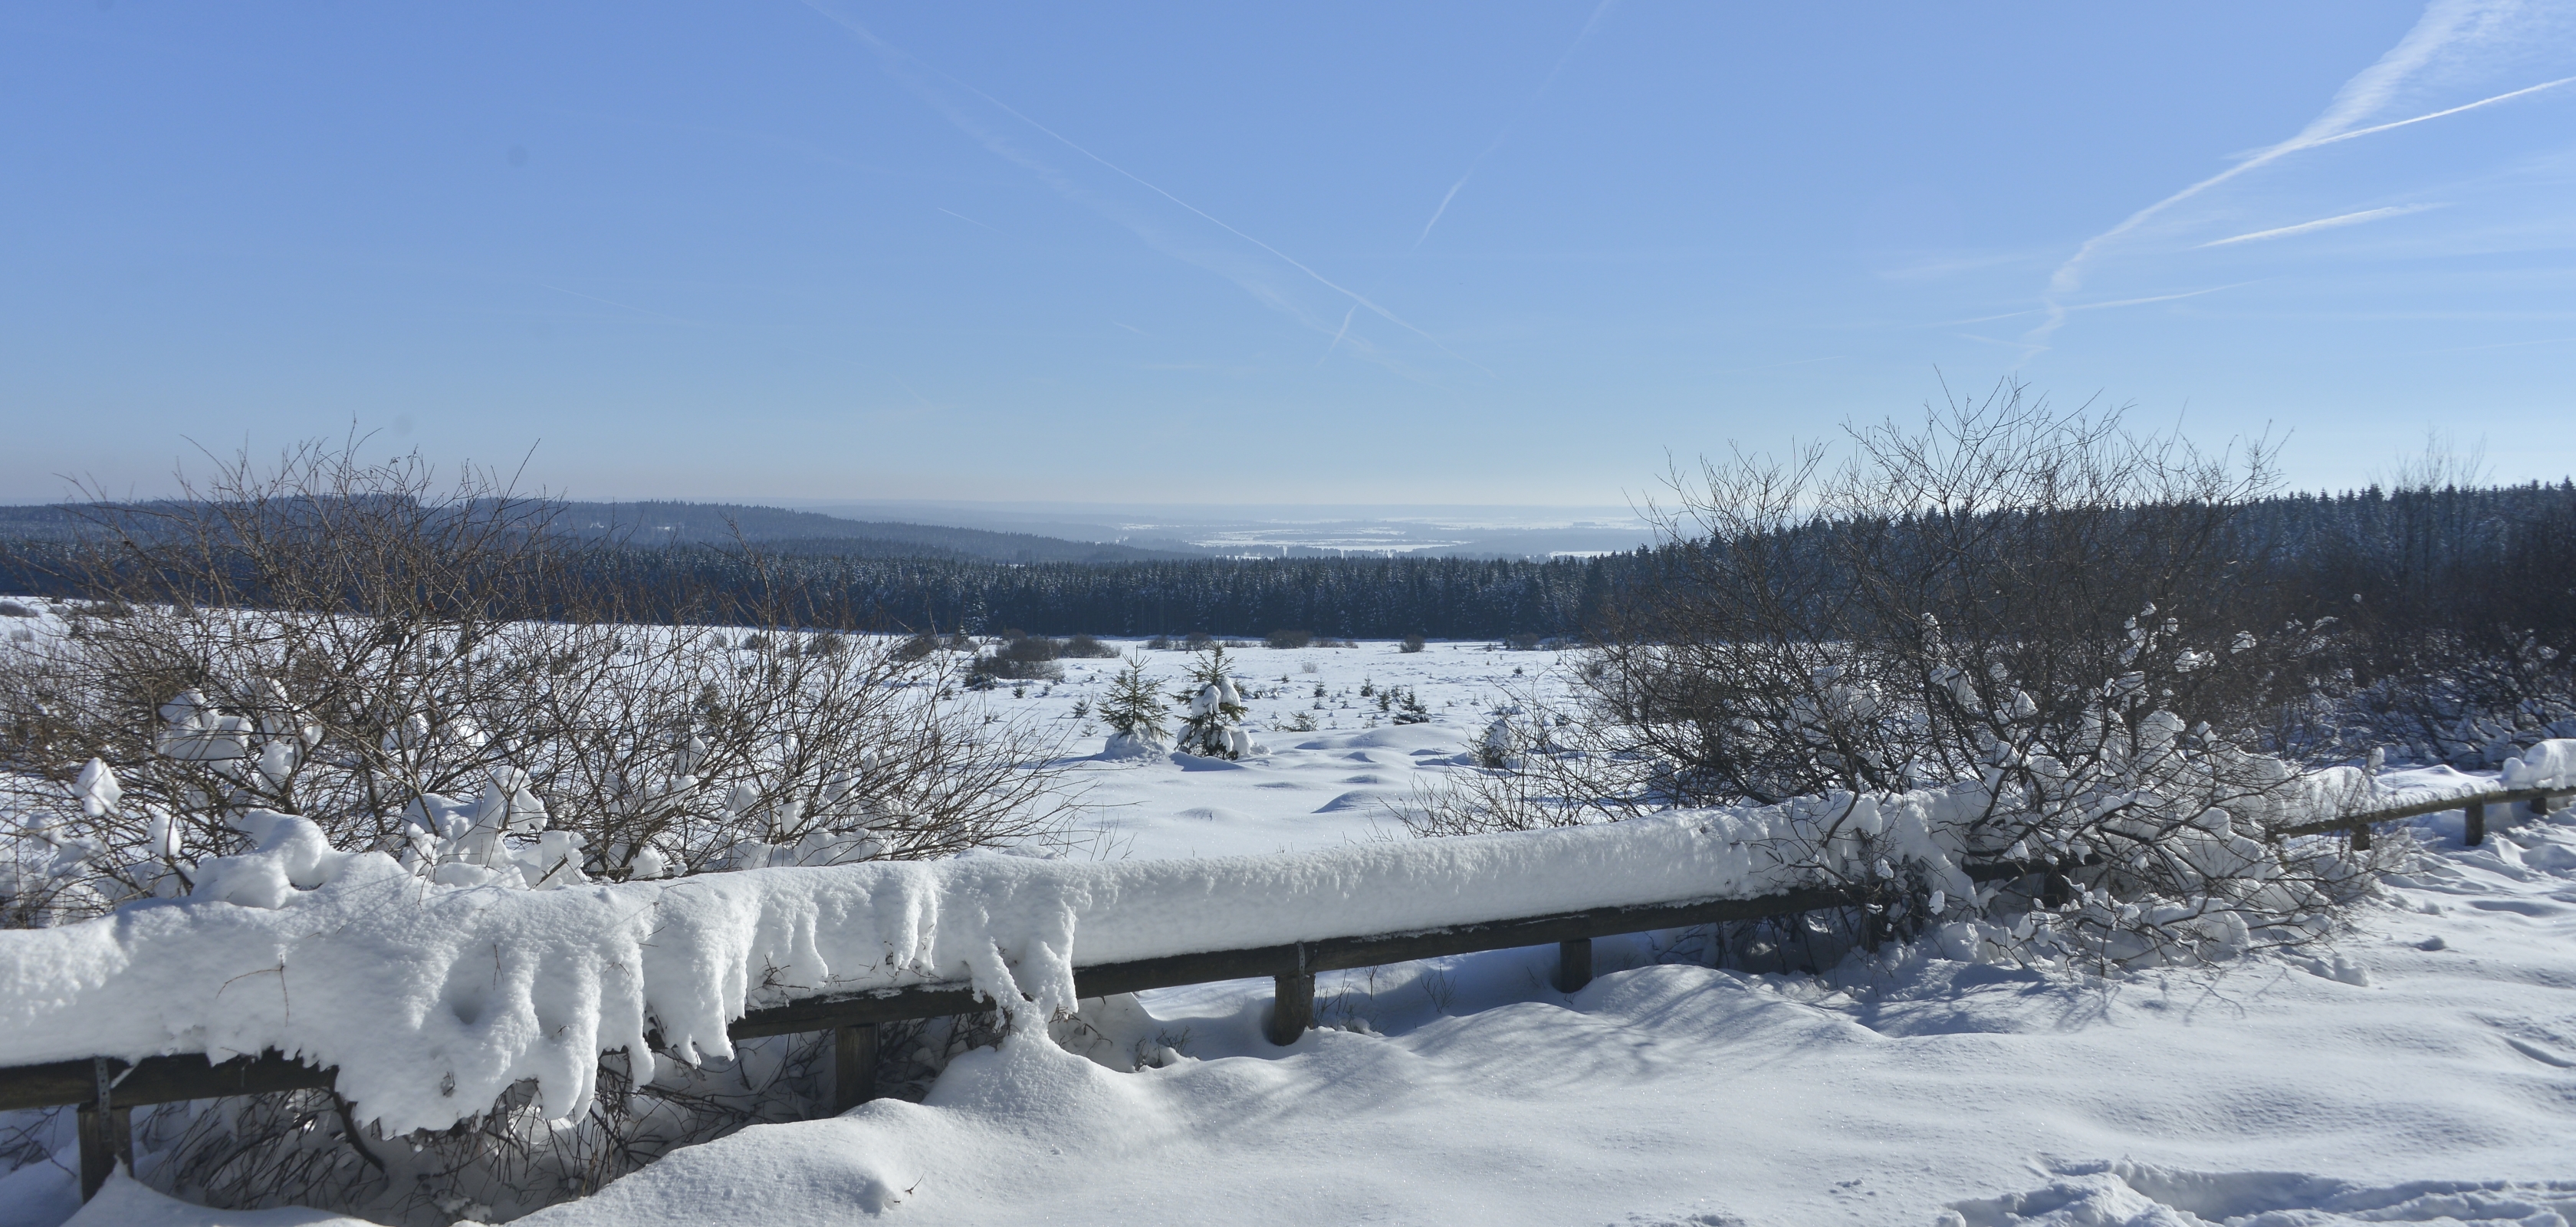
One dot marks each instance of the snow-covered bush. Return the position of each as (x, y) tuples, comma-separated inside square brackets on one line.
[(334, 641), (331, 660), (1019, 657), (2456, 629), (2041, 620)]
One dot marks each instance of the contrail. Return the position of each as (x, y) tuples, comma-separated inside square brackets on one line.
[(1291, 261), (2441, 25), (1452, 194), (2140, 302), (1337, 337), (2067, 279), (888, 49), (2322, 223), (963, 218), (2466, 106), (1598, 12)]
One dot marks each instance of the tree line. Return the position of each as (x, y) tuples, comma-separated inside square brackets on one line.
[(2490, 569)]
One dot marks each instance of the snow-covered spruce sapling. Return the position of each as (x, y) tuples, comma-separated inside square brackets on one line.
[(1494, 750), (1213, 710), (1133, 710)]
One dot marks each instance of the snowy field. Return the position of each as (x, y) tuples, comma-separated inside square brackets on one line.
[(1314, 789), (2424, 1072)]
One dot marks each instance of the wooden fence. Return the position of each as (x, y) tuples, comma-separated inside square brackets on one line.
[(106, 1090)]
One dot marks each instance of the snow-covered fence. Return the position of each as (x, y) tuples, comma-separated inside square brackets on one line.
[(2534, 778), (420, 1003)]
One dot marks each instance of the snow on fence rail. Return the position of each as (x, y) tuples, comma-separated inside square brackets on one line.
[(298, 966)]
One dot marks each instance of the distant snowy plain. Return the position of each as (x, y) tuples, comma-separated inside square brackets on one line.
[(2430, 1078)]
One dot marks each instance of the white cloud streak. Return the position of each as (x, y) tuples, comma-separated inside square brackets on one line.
[(2445, 25), (2322, 223), (2140, 302), (993, 141), (1504, 133), (1343, 331)]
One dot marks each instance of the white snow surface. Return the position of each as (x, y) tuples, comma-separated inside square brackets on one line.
[(2442, 1089), (431, 999), (2427, 1073)]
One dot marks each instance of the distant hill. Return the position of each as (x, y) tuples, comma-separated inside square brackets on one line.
[(807, 532), (719, 524), (41, 522)]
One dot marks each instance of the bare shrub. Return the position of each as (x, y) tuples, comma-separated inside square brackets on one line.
[(2038, 615), (2457, 606), (1413, 643), (434, 674), (1286, 639), (1021, 657), (1084, 647)]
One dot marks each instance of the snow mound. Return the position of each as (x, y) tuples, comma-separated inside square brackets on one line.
[(2141, 1195), (1135, 745), (125, 1202), (2548, 764)]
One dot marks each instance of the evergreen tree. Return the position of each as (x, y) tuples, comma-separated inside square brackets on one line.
[(1133, 708), (1212, 710)]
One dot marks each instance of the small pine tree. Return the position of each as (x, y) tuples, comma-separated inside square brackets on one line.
[(1211, 708), (1133, 708)]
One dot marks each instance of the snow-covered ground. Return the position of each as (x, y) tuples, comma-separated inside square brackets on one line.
[(1314, 789), (1673, 1094), (2426, 1075)]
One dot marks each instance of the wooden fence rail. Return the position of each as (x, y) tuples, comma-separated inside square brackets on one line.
[(107, 1090)]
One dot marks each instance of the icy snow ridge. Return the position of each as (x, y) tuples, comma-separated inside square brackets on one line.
[(432, 998)]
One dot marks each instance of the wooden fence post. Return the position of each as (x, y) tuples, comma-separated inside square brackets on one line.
[(2361, 837), (106, 1136), (2476, 832), (1573, 964), (1292, 1007), (854, 1066)]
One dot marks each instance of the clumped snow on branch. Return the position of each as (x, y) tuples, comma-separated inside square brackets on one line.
[(432, 999)]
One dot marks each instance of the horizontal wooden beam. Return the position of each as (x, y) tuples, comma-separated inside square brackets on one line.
[(852, 1009), (169, 1079), (2505, 796)]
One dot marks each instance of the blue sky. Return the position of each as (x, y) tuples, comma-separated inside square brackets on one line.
[(1315, 253)]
